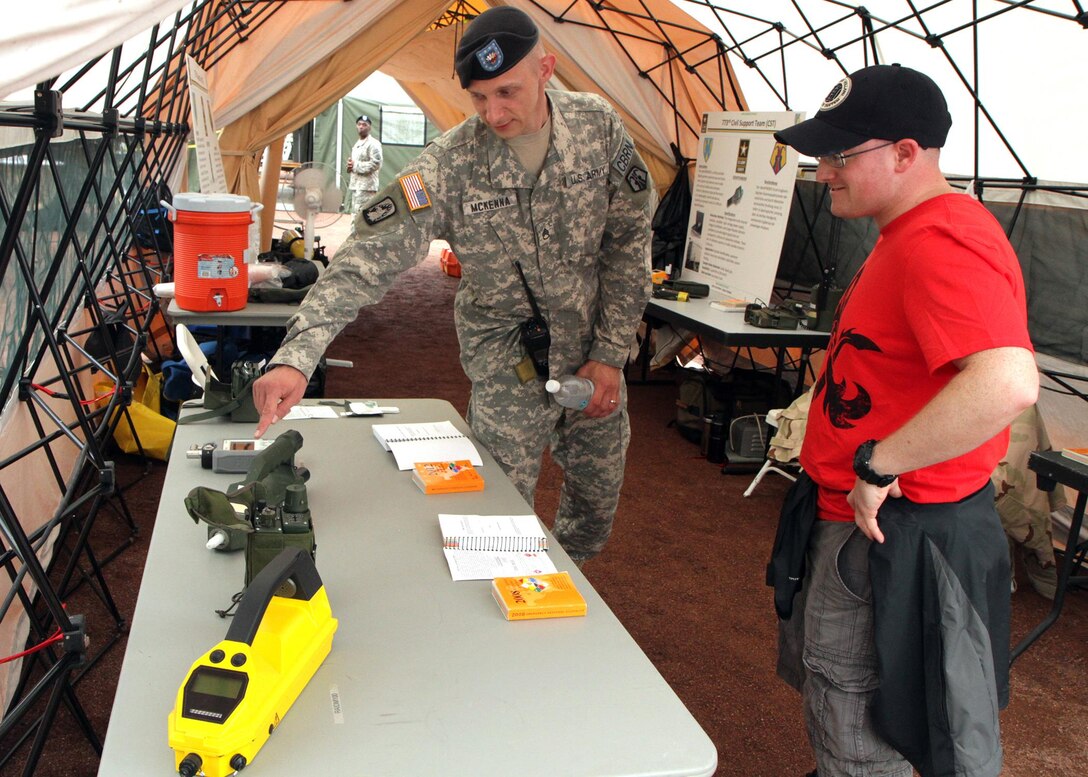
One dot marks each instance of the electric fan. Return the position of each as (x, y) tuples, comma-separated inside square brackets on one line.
[(747, 448), (314, 192)]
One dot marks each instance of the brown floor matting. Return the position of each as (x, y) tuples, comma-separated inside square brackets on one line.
[(683, 571)]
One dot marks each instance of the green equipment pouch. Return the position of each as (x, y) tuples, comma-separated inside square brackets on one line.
[(234, 399), (274, 534), (222, 514)]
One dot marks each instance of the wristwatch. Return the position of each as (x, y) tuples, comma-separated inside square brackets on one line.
[(863, 468)]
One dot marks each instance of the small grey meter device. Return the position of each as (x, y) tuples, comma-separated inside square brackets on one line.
[(231, 456)]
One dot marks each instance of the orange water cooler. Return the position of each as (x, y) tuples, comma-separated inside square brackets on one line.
[(211, 241)]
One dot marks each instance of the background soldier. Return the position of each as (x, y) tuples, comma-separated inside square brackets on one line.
[(364, 164)]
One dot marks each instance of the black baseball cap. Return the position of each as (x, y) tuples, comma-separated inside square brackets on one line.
[(494, 42), (882, 102)]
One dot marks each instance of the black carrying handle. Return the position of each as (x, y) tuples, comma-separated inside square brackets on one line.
[(290, 563)]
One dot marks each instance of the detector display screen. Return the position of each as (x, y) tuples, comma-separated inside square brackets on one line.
[(212, 694), (228, 686), (246, 445)]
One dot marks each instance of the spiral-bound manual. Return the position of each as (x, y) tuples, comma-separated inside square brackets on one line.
[(480, 547), (437, 441)]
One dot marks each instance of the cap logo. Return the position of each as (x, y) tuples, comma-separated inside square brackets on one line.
[(490, 56), (837, 95)]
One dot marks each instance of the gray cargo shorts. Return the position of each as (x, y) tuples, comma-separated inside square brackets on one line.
[(826, 652)]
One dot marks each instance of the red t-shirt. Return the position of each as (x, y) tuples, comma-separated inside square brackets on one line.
[(941, 283)]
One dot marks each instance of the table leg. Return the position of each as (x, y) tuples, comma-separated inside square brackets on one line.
[(802, 371), (1071, 545)]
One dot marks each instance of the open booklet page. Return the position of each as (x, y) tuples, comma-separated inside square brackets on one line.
[(480, 547), (438, 441)]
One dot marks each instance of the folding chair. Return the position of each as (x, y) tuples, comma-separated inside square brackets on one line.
[(785, 445)]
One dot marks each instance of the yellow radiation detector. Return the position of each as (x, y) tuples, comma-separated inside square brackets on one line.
[(236, 694)]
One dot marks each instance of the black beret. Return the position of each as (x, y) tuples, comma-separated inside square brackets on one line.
[(363, 117), (496, 40)]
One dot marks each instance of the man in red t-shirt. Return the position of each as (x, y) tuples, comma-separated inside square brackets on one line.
[(929, 361)]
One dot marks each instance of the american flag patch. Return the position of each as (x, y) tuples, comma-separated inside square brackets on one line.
[(415, 193)]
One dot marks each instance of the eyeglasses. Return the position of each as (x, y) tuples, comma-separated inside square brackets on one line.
[(839, 160)]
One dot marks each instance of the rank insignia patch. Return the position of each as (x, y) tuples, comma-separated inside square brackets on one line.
[(636, 179), (379, 211), (415, 193)]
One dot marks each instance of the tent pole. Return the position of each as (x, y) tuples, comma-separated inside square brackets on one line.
[(270, 186), (341, 163)]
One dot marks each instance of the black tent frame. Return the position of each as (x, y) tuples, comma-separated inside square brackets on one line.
[(88, 279)]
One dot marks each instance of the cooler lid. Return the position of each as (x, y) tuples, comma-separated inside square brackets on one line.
[(212, 203)]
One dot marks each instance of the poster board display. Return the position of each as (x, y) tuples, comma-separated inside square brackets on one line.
[(740, 203), (209, 160)]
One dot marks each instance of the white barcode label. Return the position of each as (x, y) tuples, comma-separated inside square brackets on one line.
[(337, 709)]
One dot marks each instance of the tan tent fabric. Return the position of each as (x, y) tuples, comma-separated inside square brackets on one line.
[(390, 25), (309, 54), (424, 69), (591, 60), (302, 37)]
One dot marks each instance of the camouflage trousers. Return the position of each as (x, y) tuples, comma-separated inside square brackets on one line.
[(359, 198), (516, 422)]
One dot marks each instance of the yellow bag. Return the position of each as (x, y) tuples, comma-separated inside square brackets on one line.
[(149, 429)]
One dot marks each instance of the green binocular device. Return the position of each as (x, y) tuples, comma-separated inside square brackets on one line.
[(265, 513)]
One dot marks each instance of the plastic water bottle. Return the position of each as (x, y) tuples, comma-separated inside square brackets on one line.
[(571, 391)]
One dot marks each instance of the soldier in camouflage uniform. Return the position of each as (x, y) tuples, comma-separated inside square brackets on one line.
[(577, 218)]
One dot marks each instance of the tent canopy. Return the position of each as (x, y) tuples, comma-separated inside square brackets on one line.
[(1004, 66), (289, 70)]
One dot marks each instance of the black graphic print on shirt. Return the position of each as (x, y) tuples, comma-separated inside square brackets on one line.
[(844, 402)]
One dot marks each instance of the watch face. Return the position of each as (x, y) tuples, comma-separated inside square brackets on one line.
[(863, 468)]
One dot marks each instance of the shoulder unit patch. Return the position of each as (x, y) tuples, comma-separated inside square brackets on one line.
[(636, 179), (623, 159), (379, 211)]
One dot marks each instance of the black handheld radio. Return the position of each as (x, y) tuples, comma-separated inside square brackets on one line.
[(535, 337)]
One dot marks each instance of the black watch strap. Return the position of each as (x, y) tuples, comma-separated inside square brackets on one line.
[(863, 468)]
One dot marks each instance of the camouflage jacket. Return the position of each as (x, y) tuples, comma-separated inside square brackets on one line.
[(581, 231), (1023, 507)]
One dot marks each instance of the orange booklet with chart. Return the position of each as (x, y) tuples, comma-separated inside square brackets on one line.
[(538, 596), (446, 477)]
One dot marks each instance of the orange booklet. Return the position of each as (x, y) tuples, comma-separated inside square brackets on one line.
[(446, 477), (539, 596), (1077, 454)]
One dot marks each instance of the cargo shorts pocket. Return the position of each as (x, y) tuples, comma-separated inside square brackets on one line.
[(838, 613)]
